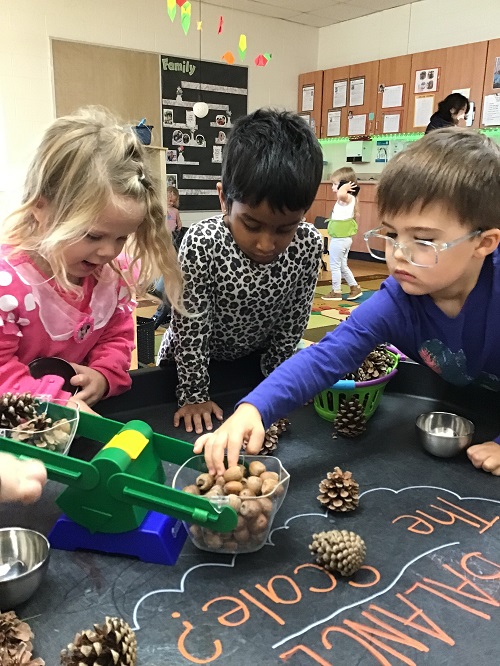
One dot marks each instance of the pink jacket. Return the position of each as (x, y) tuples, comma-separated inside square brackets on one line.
[(38, 319)]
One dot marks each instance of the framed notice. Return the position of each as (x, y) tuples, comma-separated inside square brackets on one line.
[(426, 80), (306, 117), (392, 96), (392, 123), (333, 125), (339, 94), (357, 125), (424, 108), (307, 98), (357, 91)]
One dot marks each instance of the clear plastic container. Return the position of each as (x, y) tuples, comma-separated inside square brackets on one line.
[(255, 514), (58, 437)]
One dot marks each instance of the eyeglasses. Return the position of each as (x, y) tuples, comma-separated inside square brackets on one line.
[(417, 252)]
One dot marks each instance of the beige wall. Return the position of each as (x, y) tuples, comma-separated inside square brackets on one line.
[(419, 26), (26, 93)]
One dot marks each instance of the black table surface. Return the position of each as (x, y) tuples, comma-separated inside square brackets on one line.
[(430, 589)]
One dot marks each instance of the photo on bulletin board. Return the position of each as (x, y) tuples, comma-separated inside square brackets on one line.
[(189, 141), (307, 98), (496, 74), (306, 117), (172, 180), (426, 80)]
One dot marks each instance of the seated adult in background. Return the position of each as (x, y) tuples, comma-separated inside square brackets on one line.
[(450, 111)]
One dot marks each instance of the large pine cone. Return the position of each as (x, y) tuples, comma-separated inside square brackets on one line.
[(350, 420), (340, 551), (16, 408), (15, 642), (378, 363), (339, 491), (110, 644)]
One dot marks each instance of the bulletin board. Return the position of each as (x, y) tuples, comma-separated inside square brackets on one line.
[(126, 82), (195, 146)]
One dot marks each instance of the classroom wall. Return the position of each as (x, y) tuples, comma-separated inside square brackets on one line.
[(26, 92), (419, 26)]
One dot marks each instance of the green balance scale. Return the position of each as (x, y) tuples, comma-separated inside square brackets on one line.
[(118, 502)]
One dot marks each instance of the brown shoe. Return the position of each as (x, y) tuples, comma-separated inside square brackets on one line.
[(355, 293), (333, 296)]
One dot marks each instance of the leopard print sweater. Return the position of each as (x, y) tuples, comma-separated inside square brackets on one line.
[(243, 306)]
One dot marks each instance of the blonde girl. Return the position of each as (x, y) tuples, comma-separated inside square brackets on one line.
[(90, 231), (341, 228)]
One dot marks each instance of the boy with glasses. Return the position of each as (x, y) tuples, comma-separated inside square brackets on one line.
[(439, 204)]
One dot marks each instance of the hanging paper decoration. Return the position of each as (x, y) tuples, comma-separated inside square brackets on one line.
[(199, 25), (261, 60), (172, 9), (185, 16), (180, 2), (268, 56), (228, 57), (242, 46), (221, 23)]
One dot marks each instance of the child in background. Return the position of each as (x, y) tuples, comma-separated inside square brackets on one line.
[(251, 272), (173, 218), (439, 205), (21, 480), (341, 228), (89, 195)]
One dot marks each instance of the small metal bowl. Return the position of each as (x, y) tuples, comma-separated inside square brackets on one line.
[(24, 558), (444, 434)]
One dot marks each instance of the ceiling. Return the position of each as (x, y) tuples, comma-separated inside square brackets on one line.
[(316, 13)]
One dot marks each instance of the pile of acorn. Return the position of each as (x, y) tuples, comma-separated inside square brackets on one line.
[(250, 491)]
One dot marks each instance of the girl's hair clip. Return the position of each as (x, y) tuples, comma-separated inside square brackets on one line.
[(144, 181)]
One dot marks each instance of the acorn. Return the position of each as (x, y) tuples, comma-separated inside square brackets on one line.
[(205, 482), (256, 468), (233, 474)]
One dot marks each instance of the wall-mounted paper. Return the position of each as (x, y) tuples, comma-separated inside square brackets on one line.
[(339, 93), (426, 80), (463, 91), (357, 91), (307, 98), (391, 123), (424, 108), (496, 74), (392, 96), (357, 124), (491, 110), (333, 127)]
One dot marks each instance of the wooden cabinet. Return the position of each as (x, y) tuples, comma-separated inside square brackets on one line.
[(393, 72), (330, 77), (314, 80), (465, 69), (425, 61), (493, 53), (368, 71)]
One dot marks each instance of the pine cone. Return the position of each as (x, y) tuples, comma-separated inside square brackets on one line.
[(110, 644), (16, 408), (350, 420), (376, 364), (15, 642), (272, 436), (339, 491), (340, 551)]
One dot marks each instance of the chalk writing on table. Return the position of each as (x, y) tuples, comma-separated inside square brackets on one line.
[(394, 608)]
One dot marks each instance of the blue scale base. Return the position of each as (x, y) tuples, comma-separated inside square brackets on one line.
[(158, 540)]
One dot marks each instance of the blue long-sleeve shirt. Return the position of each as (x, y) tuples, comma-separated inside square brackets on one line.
[(462, 349)]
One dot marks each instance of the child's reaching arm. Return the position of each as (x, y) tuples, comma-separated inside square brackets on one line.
[(293, 318), (486, 456)]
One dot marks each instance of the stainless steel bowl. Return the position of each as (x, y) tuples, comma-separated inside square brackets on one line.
[(24, 558), (444, 434)]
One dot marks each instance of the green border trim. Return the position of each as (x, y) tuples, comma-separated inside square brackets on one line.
[(410, 136)]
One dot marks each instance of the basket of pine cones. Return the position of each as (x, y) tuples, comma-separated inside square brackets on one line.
[(353, 400), (32, 420)]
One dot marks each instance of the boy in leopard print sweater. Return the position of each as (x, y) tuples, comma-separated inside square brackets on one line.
[(251, 272)]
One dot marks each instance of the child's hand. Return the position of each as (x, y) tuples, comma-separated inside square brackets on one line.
[(21, 480), (486, 456), (346, 188), (245, 425), (198, 415), (93, 384)]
